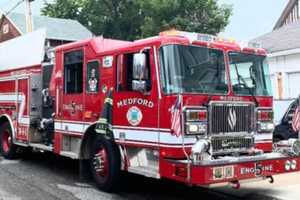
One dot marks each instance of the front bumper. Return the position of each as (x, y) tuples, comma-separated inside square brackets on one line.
[(228, 169)]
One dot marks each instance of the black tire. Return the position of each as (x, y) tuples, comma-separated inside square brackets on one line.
[(105, 164), (277, 139), (25, 152), (7, 148)]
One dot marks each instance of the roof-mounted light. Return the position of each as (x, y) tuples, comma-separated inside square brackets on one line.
[(255, 45), (192, 36)]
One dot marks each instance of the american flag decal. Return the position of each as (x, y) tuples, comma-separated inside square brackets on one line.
[(176, 117), (296, 120)]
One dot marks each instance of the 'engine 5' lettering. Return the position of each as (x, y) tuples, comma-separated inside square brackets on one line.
[(256, 170), (134, 101)]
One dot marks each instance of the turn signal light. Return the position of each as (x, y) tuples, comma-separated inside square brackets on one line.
[(290, 165), (287, 165), (88, 114), (294, 165), (265, 115), (196, 115)]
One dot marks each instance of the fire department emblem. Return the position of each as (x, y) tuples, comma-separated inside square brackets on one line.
[(93, 85), (134, 116), (93, 81), (232, 118)]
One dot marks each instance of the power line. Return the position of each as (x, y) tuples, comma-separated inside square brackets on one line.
[(5, 2), (14, 7), (8, 12)]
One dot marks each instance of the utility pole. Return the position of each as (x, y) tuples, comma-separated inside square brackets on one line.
[(28, 14)]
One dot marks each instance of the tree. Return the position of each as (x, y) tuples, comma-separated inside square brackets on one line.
[(134, 19)]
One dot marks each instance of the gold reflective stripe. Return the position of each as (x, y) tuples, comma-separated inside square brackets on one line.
[(102, 121), (100, 131), (109, 100)]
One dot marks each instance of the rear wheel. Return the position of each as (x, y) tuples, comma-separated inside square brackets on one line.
[(105, 164), (7, 148)]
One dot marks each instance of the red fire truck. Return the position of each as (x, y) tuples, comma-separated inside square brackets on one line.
[(182, 106)]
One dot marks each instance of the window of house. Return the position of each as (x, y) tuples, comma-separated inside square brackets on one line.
[(125, 70), (5, 28), (92, 77), (73, 72)]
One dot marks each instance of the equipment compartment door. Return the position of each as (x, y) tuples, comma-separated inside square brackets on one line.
[(22, 109)]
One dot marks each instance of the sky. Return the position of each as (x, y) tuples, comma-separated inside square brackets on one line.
[(250, 19), (6, 5), (253, 18)]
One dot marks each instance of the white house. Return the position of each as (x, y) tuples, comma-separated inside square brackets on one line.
[(283, 46)]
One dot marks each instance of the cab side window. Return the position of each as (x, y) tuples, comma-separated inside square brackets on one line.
[(92, 76), (125, 72), (73, 72)]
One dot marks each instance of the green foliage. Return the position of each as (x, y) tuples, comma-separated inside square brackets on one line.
[(134, 19)]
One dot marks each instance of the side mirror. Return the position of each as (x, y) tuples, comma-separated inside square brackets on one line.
[(139, 72), (139, 66), (139, 86)]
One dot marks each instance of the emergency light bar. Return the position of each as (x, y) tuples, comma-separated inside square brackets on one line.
[(255, 45), (192, 36)]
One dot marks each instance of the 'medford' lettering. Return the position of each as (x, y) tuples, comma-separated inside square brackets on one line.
[(134, 101)]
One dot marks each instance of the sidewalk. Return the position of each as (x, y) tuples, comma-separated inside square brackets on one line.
[(285, 187)]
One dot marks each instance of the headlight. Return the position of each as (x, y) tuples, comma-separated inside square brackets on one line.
[(264, 117), (265, 127), (193, 128), (196, 120), (196, 128)]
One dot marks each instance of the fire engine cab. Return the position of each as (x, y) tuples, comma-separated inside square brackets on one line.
[(183, 106)]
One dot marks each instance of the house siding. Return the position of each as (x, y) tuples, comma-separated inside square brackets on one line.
[(7, 30), (285, 78)]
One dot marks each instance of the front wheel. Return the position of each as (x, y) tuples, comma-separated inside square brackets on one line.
[(105, 164), (7, 148)]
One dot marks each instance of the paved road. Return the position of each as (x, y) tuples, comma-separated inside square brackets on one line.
[(47, 177)]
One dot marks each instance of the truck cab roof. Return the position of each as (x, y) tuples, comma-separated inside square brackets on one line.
[(111, 46)]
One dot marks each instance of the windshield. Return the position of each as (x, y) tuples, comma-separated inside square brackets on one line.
[(192, 69), (249, 74)]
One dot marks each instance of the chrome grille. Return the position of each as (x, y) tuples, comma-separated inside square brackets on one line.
[(231, 117), (230, 144)]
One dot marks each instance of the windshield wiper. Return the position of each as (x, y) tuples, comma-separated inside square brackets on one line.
[(240, 78)]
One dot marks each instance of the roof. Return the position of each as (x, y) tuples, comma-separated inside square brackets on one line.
[(99, 44), (56, 29), (13, 55), (285, 13), (282, 39), (110, 46)]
